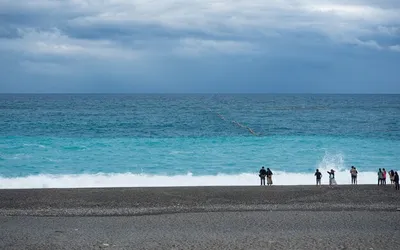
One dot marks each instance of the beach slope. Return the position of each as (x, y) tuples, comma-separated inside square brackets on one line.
[(278, 217)]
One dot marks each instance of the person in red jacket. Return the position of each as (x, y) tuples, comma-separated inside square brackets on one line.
[(384, 176)]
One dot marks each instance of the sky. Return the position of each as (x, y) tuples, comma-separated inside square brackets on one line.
[(200, 46)]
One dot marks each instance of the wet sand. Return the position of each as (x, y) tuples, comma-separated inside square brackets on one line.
[(277, 217)]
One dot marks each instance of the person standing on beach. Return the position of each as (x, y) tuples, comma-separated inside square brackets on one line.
[(391, 176), (380, 177), (318, 176), (262, 175), (384, 177), (269, 177), (396, 181), (332, 180), (353, 172)]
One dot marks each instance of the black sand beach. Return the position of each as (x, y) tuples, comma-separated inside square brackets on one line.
[(277, 217)]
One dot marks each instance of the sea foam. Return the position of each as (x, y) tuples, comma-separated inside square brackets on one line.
[(145, 180)]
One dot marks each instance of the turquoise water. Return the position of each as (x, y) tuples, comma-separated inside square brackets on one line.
[(148, 140)]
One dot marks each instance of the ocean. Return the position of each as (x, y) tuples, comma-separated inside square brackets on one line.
[(130, 140)]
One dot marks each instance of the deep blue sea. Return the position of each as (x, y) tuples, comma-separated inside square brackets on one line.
[(81, 140)]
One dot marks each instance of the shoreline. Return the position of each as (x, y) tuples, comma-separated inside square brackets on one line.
[(168, 200), (127, 180)]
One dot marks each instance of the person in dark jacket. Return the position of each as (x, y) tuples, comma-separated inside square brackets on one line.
[(396, 181), (318, 176), (391, 176), (262, 175)]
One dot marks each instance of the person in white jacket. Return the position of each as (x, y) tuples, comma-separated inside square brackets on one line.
[(332, 180)]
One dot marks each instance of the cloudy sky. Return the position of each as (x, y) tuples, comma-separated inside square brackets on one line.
[(307, 46)]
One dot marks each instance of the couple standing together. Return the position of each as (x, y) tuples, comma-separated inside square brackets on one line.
[(331, 173), (265, 173)]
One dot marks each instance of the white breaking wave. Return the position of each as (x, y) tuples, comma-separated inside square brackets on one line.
[(144, 180), (328, 162)]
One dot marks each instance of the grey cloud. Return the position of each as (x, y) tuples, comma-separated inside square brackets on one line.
[(130, 21), (8, 32), (86, 45)]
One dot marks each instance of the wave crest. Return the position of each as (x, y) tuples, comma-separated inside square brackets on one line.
[(145, 180)]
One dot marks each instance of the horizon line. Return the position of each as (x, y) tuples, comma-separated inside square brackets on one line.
[(188, 93)]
